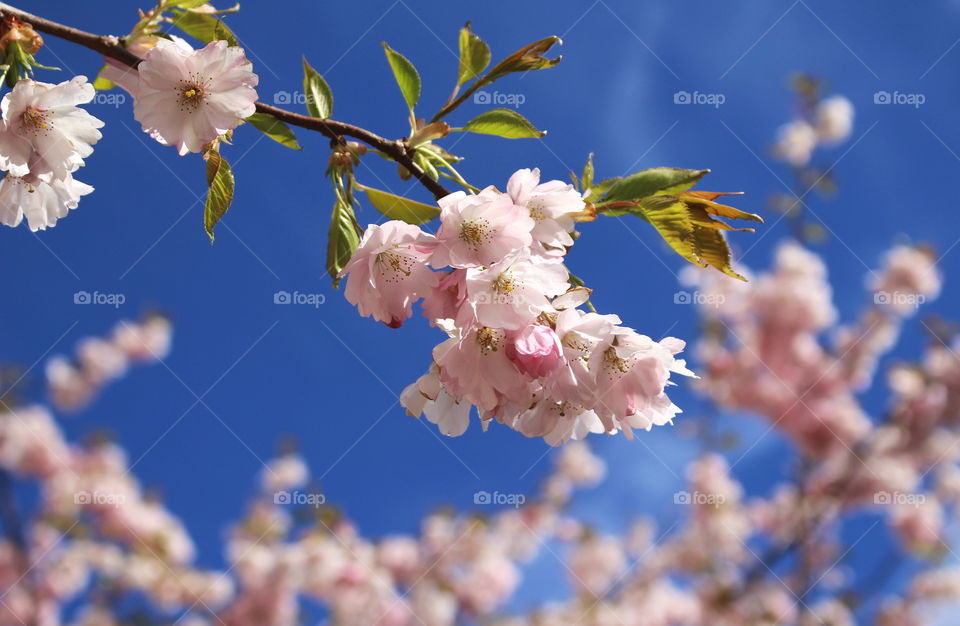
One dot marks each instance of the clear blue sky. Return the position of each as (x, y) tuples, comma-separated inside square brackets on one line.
[(329, 377)]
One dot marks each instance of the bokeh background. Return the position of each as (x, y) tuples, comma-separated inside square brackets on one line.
[(246, 372)]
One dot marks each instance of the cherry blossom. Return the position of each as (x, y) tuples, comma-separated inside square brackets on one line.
[(479, 229), (511, 293), (795, 142), (536, 350), (44, 133), (834, 119), (388, 272), (43, 203), (474, 365), (550, 204), (187, 98)]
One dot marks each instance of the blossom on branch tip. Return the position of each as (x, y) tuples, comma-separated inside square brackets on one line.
[(188, 98)]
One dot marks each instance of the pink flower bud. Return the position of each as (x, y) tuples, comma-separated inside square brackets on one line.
[(536, 351)]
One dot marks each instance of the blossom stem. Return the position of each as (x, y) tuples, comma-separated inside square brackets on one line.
[(113, 47)]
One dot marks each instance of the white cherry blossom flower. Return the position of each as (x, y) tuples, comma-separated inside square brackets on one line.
[(44, 133), (43, 203), (550, 204)]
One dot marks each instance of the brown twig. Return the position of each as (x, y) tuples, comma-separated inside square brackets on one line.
[(113, 47)]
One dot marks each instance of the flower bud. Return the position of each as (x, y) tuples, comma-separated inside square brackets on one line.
[(15, 30), (536, 351)]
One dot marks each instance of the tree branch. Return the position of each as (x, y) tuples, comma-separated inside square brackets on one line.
[(113, 47)]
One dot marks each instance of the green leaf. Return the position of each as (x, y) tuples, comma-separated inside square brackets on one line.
[(317, 91), (587, 178), (274, 129), (400, 208), (503, 123), (474, 55), (526, 59), (406, 75), (596, 191), (220, 193), (342, 240), (689, 230), (204, 27), (652, 182), (186, 4)]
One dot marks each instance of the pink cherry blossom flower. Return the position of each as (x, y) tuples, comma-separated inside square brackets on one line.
[(479, 229), (535, 350), (475, 366), (43, 203), (388, 272), (511, 293), (550, 204), (580, 336), (187, 98), (445, 300), (630, 378), (44, 133)]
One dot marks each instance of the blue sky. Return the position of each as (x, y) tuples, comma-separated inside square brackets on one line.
[(330, 378)]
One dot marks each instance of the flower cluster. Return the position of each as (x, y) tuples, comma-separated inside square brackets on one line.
[(184, 97), (769, 357), (44, 138), (518, 347), (102, 360), (829, 123)]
